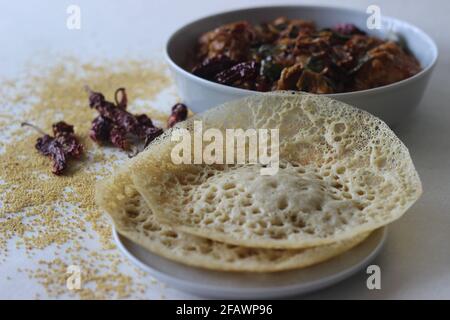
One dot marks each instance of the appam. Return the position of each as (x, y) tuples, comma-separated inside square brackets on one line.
[(134, 220), (342, 173)]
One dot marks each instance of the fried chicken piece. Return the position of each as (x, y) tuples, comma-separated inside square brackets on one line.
[(299, 78), (232, 40), (386, 64)]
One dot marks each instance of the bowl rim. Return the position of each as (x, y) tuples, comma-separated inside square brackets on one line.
[(234, 90)]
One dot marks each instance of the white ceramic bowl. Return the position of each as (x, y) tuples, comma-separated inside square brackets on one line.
[(391, 103)]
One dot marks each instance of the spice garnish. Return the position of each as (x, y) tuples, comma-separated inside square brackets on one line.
[(62, 146), (116, 125), (179, 113)]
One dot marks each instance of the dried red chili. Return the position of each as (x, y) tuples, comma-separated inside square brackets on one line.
[(118, 126), (209, 67), (179, 113), (347, 29), (238, 73), (61, 147)]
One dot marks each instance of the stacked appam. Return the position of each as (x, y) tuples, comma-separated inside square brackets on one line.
[(342, 174)]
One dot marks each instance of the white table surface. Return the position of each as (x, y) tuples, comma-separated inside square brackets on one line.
[(416, 260)]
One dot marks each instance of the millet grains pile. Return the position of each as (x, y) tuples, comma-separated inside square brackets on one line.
[(55, 217)]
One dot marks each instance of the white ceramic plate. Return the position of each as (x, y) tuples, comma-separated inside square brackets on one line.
[(223, 285)]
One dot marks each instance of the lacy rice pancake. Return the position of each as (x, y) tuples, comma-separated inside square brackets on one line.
[(133, 219), (342, 172)]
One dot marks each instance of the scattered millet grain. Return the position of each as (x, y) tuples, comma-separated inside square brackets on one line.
[(39, 210)]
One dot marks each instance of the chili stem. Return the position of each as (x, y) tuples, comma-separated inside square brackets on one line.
[(23, 124)]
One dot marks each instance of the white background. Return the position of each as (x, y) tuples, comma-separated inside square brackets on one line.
[(416, 260)]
